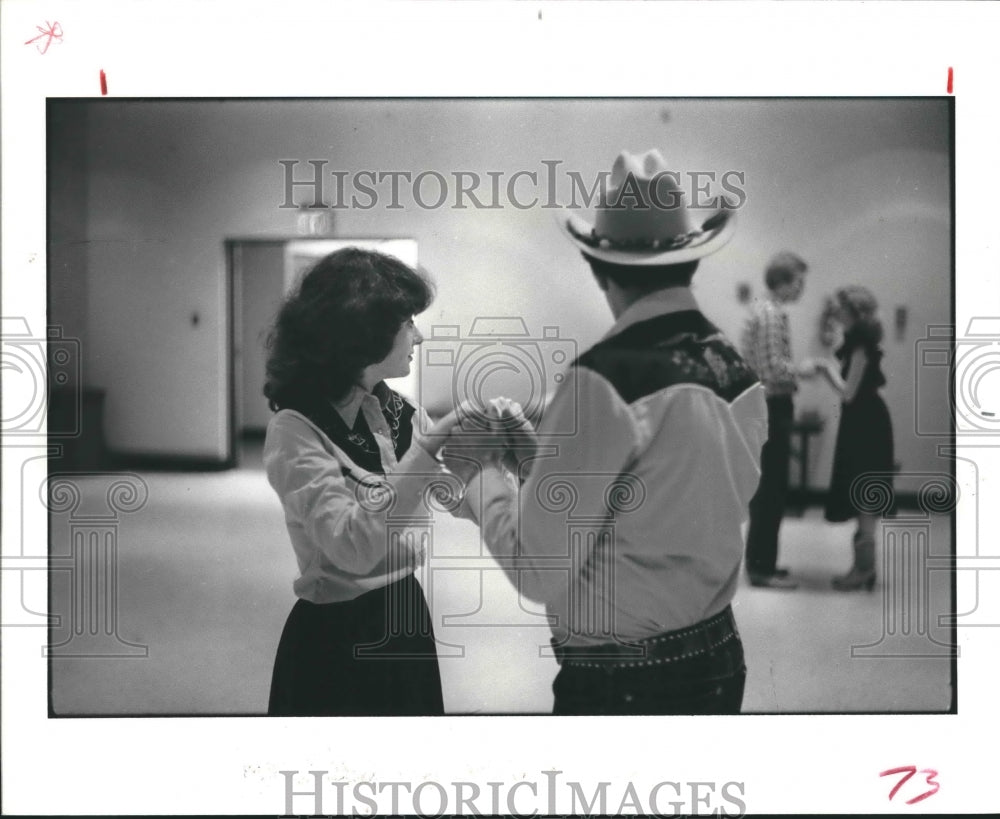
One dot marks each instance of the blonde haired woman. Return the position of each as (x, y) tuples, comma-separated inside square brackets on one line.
[(864, 437)]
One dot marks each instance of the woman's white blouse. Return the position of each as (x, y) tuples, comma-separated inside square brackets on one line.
[(340, 516)]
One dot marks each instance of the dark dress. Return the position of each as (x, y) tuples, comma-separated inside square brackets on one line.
[(864, 437), (374, 655)]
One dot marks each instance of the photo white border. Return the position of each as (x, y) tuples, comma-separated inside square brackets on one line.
[(202, 49)]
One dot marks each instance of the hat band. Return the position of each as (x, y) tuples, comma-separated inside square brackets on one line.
[(591, 239)]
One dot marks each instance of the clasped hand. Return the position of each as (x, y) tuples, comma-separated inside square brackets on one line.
[(497, 435)]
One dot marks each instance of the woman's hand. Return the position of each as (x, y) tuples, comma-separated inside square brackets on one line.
[(501, 436), (467, 451), (443, 428), (831, 372), (809, 367), (520, 438), (442, 431), (462, 451)]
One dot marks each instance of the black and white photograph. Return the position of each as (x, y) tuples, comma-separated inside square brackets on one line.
[(687, 332), (596, 416)]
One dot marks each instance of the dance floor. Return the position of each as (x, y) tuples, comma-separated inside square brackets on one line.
[(189, 589)]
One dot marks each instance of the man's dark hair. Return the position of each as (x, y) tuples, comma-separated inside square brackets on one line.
[(344, 316), (783, 268), (643, 278)]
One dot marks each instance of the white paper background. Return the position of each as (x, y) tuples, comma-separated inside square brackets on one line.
[(199, 49)]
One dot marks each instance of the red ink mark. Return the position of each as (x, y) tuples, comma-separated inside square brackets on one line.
[(53, 32), (104, 83), (950, 78), (910, 770)]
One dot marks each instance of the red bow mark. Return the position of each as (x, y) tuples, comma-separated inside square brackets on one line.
[(53, 32)]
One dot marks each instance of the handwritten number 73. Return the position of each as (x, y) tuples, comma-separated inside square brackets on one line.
[(909, 771)]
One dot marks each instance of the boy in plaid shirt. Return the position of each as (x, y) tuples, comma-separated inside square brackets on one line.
[(767, 349)]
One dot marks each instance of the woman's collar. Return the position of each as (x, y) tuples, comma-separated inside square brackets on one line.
[(349, 407)]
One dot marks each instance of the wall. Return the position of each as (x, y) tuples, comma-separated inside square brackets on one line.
[(67, 224), (858, 187), (892, 235)]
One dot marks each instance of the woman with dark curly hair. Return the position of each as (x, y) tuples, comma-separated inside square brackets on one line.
[(340, 449), (864, 437)]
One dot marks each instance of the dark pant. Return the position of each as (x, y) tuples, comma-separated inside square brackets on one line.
[(374, 655), (692, 681), (768, 505)]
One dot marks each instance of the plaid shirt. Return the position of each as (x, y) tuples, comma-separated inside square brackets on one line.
[(767, 347)]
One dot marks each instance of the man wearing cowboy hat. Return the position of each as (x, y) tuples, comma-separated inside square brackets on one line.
[(629, 530)]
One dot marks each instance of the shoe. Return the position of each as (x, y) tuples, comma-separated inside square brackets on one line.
[(862, 573), (773, 581), (780, 571), (855, 579)]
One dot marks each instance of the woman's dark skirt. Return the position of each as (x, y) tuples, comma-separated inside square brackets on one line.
[(864, 447), (374, 655)]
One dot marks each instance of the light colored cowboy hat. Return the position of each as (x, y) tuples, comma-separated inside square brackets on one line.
[(643, 218)]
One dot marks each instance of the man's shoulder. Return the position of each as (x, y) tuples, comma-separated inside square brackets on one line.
[(675, 349)]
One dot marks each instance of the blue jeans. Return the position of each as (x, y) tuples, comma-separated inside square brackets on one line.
[(707, 682)]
